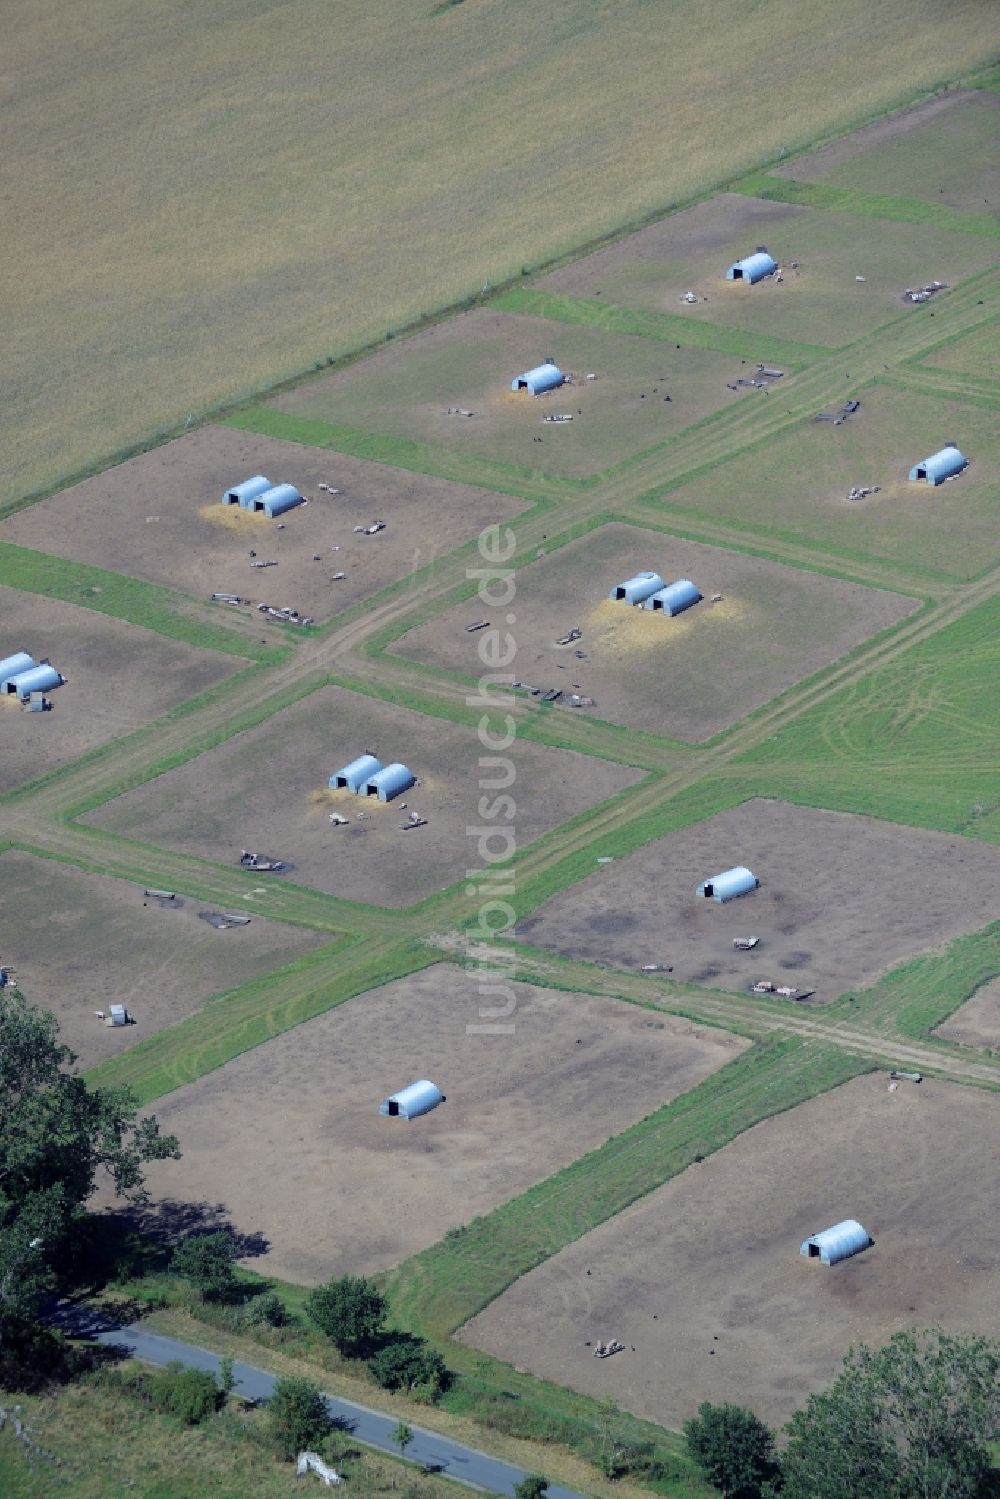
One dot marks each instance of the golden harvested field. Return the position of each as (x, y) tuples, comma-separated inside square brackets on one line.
[(210, 198)]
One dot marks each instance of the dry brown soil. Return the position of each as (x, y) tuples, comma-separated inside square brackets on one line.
[(80, 942), (119, 677), (977, 1022), (160, 517), (266, 790), (704, 1277), (841, 900), (686, 677), (289, 1138)]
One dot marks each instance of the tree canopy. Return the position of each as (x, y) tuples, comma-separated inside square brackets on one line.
[(733, 1448), (207, 1260), (350, 1311), (911, 1420), (57, 1138)]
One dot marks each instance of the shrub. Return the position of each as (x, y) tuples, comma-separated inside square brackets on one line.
[(266, 1310), (532, 1486), (297, 1416), (189, 1394)]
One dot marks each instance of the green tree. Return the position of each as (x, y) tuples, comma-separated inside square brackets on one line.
[(532, 1486), (734, 1449), (401, 1436), (350, 1311), (227, 1378), (912, 1420), (207, 1261), (297, 1416), (57, 1138)]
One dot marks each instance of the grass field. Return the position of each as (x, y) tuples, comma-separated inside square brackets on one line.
[(341, 220), (916, 740), (109, 1445), (161, 267)]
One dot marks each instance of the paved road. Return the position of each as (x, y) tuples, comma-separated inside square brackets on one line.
[(466, 1464)]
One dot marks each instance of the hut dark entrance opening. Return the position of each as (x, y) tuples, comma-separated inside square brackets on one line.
[(709, 890), (394, 1112)]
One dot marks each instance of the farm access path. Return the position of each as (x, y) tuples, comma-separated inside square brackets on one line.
[(40, 819)]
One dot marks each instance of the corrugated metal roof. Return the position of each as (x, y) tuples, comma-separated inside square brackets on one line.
[(390, 782), (837, 1243), (543, 377), (941, 465), (635, 590), (729, 884), (12, 666), (355, 775), (39, 679), (277, 500), (675, 598), (241, 494), (752, 267), (413, 1100)]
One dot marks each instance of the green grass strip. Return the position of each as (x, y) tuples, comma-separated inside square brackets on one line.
[(400, 452), (437, 1291), (131, 599), (868, 205), (668, 327), (917, 997), (245, 1018)]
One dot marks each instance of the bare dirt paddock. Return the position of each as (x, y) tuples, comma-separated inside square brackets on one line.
[(705, 1279), (266, 790), (79, 942), (818, 300), (977, 1022), (119, 677), (160, 517), (407, 387), (841, 900), (289, 1138), (688, 677), (941, 150)]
